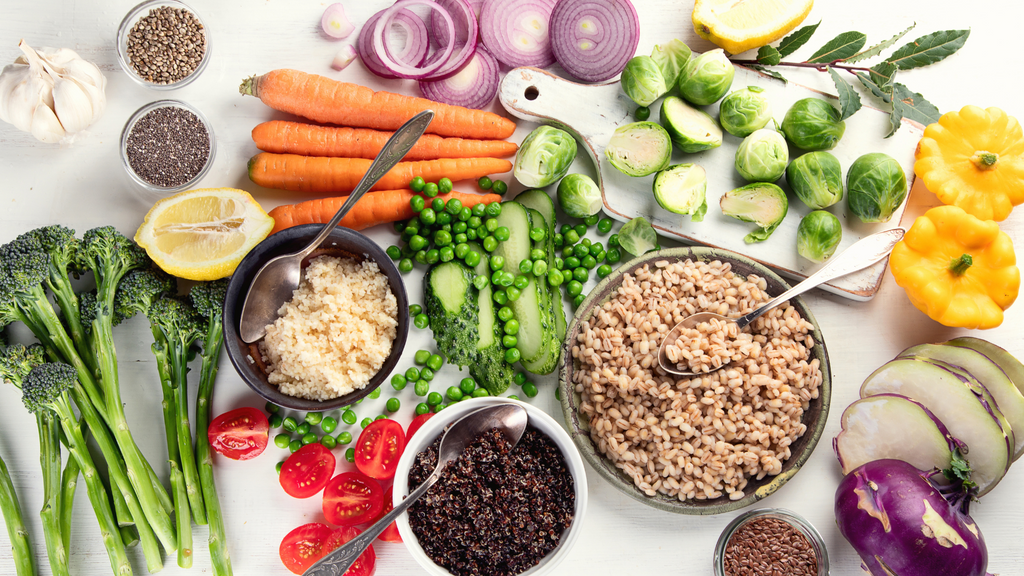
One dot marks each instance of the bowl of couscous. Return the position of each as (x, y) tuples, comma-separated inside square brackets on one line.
[(340, 335)]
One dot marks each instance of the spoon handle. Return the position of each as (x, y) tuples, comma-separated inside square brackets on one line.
[(862, 254), (392, 153)]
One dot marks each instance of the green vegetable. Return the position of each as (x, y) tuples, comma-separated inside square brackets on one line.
[(489, 366), (422, 408), (706, 78), (421, 388), (691, 129), (303, 429), (579, 196), (282, 440), (681, 189), (671, 58), (435, 362), (544, 156), (816, 178), (329, 425), (604, 226), (398, 381), (818, 235), (642, 113), (643, 81), (329, 442), (434, 398), (762, 203), (314, 418), (485, 183), (350, 455), (275, 420), (289, 424), (393, 405), (530, 389), (344, 438), (762, 156), (421, 321), (348, 417), (744, 111), (309, 438), (294, 446), (638, 236), (875, 187), (639, 149), (813, 124)]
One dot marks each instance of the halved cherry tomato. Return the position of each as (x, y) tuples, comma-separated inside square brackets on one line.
[(390, 534), (307, 471), (352, 498), (240, 434), (366, 564), (416, 423), (307, 544), (378, 449)]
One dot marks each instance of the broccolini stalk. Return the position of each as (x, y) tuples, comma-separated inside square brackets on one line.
[(24, 561), (49, 460), (68, 485)]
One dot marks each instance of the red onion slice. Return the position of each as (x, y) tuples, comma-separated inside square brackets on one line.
[(465, 43), (516, 31), (399, 69), (439, 33), (474, 86), (417, 42), (594, 39)]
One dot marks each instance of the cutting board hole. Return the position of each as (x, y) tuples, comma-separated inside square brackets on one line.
[(531, 93)]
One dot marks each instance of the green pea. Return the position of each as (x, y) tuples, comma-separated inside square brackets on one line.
[(540, 268), (613, 256), (507, 279), (512, 355), (526, 266), (471, 234), (421, 321), (294, 445), (555, 277), (521, 281), (422, 387), (604, 225), (580, 250), (480, 393), (559, 263), (473, 258), (303, 429), (434, 398), (465, 214), (500, 297), (275, 420), (578, 300), (499, 187), (314, 418), (502, 233), (329, 442), (271, 408), (282, 440), (427, 374), (494, 209), (513, 293), (365, 422), (572, 263), (393, 404), (603, 270), (508, 341), (511, 327), (574, 287), (442, 238), (435, 362), (459, 227), (430, 189), (475, 221), (437, 204), (421, 257), (519, 378), (571, 237), (433, 255), (481, 282), (417, 184), (394, 252), (278, 467), (530, 389), (309, 438), (446, 254), (350, 455), (642, 113), (454, 206), (422, 408), (613, 241), (538, 234), (439, 407), (421, 356), (428, 216), (484, 183), (374, 394), (491, 225), (444, 185), (461, 249), (417, 243), (567, 251), (348, 417), (467, 385), (505, 313), (559, 240), (329, 424), (589, 262), (592, 220), (496, 262), (454, 393), (580, 229), (490, 244)]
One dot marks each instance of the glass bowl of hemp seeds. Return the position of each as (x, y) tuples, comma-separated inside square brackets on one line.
[(163, 44), (167, 146), (770, 541)]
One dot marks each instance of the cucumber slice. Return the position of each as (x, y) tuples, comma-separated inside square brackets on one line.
[(545, 363), (540, 201), (489, 368), (451, 305)]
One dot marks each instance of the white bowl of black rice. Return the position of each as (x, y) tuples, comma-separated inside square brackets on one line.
[(494, 512)]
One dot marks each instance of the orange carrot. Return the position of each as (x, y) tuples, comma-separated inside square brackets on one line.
[(328, 101), (372, 209), (323, 174), (311, 140)]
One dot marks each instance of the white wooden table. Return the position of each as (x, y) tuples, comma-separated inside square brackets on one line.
[(84, 186)]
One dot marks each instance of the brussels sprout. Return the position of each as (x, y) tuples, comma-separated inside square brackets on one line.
[(681, 189), (639, 149), (744, 111), (706, 78), (642, 80), (875, 187), (638, 236), (762, 156), (817, 179), (813, 124), (544, 157), (671, 58), (579, 196), (691, 129), (762, 203), (818, 236)]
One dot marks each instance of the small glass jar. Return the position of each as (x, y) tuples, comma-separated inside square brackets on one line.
[(137, 13), (802, 526)]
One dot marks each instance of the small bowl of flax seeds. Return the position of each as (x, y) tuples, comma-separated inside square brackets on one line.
[(163, 44), (167, 146), (770, 542)]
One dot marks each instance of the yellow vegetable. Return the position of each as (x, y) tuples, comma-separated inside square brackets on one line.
[(957, 269), (739, 25), (974, 159)]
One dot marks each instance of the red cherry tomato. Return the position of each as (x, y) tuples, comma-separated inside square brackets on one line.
[(240, 434), (307, 471), (390, 534), (378, 449), (305, 545), (416, 423), (366, 564), (352, 498)]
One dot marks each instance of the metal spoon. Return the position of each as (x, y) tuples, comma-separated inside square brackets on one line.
[(277, 279), (862, 254), (509, 419)]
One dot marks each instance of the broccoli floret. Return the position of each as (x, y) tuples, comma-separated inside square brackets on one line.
[(62, 246), (110, 255), (177, 320), (138, 290), (46, 386), (25, 266), (208, 298), (17, 360)]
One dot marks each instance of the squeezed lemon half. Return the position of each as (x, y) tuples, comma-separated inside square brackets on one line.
[(739, 25)]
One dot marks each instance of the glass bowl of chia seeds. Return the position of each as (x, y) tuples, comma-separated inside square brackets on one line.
[(167, 146), (163, 44), (770, 541)]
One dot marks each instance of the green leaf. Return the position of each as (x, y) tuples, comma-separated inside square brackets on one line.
[(768, 72), (928, 49), (959, 470), (879, 81), (768, 55), (849, 100), (843, 46), (877, 48), (914, 106), (797, 39)]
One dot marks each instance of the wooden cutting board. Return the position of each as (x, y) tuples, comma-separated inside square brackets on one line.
[(592, 112)]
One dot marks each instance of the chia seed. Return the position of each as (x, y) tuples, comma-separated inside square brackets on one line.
[(166, 45), (769, 546), (168, 146), (495, 511)]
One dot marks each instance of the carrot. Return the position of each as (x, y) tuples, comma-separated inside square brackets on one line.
[(372, 209), (328, 101), (308, 139), (323, 174)]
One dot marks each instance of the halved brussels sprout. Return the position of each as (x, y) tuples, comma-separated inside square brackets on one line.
[(643, 81), (544, 157), (638, 237), (813, 124), (579, 196), (875, 187), (682, 189), (817, 179), (639, 149), (671, 58), (762, 156), (744, 111), (706, 78), (691, 129), (762, 203), (818, 235)]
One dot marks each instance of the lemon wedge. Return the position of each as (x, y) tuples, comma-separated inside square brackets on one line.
[(739, 25), (203, 234)]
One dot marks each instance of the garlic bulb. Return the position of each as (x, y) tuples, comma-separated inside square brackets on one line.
[(51, 93)]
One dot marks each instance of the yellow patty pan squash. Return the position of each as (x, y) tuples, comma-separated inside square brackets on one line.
[(959, 270), (974, 159)]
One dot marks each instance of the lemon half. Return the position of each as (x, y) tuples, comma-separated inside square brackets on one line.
[(739, 25), (203, 234)]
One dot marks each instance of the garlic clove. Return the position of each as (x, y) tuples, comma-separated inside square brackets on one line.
[(87, 72), (72, 104), (45, 125), (27, 91)]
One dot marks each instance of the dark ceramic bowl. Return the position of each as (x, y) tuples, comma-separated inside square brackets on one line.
[(341, 242), (814, 417)]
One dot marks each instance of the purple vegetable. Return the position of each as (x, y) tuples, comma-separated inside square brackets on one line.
[(594, 39), (903, 524)]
